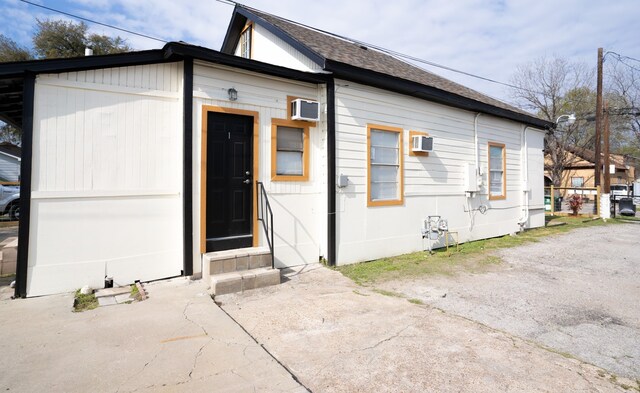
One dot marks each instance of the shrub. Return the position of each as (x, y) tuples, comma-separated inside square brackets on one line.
[(575, 203)]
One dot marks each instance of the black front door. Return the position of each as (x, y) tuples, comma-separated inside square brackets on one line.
[(229, 181)]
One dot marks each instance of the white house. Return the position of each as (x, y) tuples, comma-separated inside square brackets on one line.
[(9, 162), (139, 166)]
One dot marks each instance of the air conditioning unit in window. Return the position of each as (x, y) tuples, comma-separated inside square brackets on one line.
[(422, 144), (305, 110)]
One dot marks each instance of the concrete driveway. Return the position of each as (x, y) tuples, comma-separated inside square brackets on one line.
[(578, 293), (336, 336), (177, 340)]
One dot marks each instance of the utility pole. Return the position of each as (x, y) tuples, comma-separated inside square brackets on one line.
[(597, 158), (605, 136)]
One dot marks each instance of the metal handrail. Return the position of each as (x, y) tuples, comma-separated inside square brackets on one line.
[(267, 222)]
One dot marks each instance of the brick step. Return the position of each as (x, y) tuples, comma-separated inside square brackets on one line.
[(240, 281), (229, 261)]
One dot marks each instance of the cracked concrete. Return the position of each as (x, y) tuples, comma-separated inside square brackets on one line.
[(576, 292), (177, 340), (339, 337)]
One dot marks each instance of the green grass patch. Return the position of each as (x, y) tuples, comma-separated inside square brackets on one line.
[(84, 302), (135, 293), (475, 256), (387, 293), (415, 301)]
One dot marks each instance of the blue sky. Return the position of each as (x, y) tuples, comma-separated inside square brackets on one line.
[(485, 37)]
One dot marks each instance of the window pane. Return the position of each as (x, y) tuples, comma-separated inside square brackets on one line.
[(578, 182), (384, 191), (245, 43), (384, 165), (290, 138), (495, 182), (384, 138), (384, 155), (495, 160), (289, 163), (384, 174)]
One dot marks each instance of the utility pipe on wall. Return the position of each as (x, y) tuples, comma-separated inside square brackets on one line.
[(476, 149), (525, 177)]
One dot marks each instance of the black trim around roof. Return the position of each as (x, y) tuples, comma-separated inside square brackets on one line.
[(16, 69), (173, 51), (403, 86), (180, 50), (234, 30)]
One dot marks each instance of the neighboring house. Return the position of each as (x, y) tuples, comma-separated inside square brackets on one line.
[(579, 169), (137, 165), (9, 162)]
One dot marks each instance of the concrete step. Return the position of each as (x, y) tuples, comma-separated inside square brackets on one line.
[(241, 259), (240, 281)]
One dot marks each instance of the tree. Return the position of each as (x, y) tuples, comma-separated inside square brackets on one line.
[(624, 85), (11, 51), (11, 134), (57, 38), (551, 87)]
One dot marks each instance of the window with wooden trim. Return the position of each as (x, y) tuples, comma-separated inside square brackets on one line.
[(384, 166), (289, 150), (245, 42), (577, 181), (497, 171)]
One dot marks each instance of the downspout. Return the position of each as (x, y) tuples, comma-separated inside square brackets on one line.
[(525, 177), (476, 186), (331, 173), (476, 148)]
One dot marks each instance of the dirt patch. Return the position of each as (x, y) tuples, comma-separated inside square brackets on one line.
[(336, 336)]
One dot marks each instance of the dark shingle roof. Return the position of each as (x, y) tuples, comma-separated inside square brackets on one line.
[(341, 50), (590, 156), (10, 149)]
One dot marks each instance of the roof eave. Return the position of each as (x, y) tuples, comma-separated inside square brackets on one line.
[(403, 86), (175, 50), (234, 30), (17, 69), (10, 155)]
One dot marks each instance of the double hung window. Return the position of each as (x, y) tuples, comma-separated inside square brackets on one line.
[(385, 165), (497, 171), (290, 150)]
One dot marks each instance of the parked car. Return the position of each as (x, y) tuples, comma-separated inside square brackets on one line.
[(619, 191), (10, 201)]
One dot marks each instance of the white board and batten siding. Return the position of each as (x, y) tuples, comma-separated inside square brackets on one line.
[(433, 185), (299, 208), (107, 178)]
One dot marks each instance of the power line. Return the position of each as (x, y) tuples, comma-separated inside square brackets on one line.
[(620, 57), (390, 52), (95, 22)]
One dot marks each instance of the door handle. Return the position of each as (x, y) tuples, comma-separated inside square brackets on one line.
[(247, 181)]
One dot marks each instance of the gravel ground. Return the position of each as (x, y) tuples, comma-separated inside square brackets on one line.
[(336, 336), (578, 293)]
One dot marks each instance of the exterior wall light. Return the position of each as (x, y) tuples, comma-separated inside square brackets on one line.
[(569, 119), (233, 94)]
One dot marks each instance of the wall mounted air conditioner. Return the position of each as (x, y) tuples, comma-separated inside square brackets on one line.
[(305, 110), (422, 144)]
